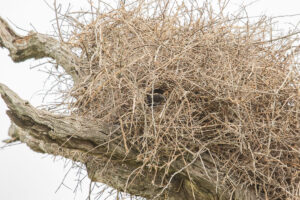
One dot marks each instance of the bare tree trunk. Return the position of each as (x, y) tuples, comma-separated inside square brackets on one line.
[(87, 142)]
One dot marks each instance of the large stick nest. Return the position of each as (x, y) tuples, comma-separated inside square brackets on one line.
[(183, 82)]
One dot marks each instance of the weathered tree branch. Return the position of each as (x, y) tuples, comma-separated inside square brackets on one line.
[(38, 46), (60, 135)]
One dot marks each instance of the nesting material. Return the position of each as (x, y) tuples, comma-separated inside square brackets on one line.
[(184, 82)]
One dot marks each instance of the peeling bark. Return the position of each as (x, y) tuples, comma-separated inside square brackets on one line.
[(98, 145)]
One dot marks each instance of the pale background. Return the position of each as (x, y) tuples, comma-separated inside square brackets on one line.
[(24, 174)]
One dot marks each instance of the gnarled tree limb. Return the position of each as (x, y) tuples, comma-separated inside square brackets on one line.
[(38, 46), (60, 135)]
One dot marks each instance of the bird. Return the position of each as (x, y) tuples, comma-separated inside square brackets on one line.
[(155, 98)]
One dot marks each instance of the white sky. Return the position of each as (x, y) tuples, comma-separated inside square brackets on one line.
[(24, 174)]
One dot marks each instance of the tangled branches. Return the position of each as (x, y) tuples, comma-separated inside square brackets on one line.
[(184, 81)]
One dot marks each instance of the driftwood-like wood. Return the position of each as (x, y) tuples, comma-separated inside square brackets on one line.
[(37, 46), (99, 146)]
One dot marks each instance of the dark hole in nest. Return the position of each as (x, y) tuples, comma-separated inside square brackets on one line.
[(155, 98)]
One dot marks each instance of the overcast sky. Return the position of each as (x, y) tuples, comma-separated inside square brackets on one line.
[(24, 174)]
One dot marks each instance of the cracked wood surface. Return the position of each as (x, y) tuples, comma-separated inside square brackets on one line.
[(99, 146)]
